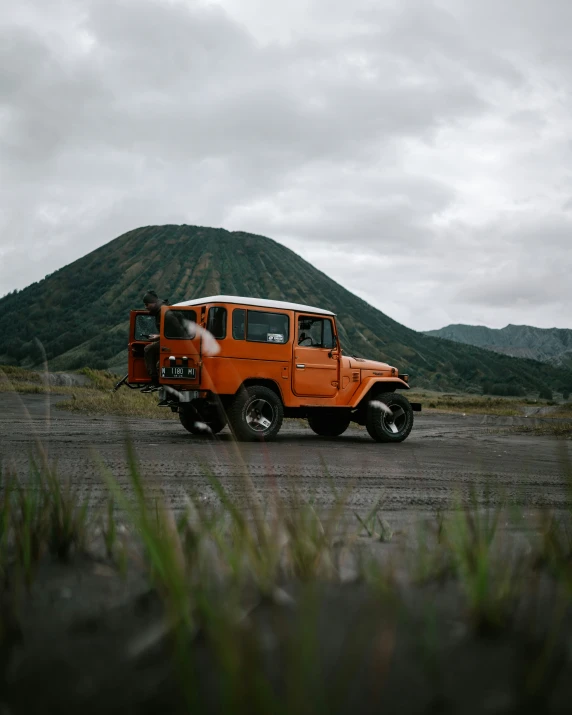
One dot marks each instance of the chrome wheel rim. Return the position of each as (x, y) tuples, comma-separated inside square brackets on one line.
[(396, 421), (259, 415)]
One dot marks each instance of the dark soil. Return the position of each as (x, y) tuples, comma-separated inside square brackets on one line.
[(86, 640)]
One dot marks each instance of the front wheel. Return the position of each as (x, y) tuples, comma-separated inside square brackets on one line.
[(389, 417), (256, 413)]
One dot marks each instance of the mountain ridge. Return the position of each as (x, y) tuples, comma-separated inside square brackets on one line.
[(550, 345), (78, 315)]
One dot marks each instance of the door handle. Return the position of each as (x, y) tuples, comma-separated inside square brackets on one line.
[(301, 366)]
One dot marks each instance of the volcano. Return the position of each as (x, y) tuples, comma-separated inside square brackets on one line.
[(78, 316)]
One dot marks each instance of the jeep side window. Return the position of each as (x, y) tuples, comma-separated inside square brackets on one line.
[(267, 327), (216, 324), (315, 332), (238, 323)]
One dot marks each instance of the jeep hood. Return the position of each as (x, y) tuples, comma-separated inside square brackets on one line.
[(369, 364)]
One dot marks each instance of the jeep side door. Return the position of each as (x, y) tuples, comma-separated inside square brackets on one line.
[(141, 326), (315, 368)]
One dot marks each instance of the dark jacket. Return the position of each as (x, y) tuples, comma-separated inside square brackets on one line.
[(157, 313), (173, 327)]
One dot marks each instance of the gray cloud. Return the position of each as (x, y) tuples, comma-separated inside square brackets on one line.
[(424, 143)]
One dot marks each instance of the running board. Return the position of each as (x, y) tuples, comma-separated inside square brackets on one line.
[(415, 406)]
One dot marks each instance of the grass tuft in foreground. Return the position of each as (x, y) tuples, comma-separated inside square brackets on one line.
[(254, 598), (491, 583), (43, 514)]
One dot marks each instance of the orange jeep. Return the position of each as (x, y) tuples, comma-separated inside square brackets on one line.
[(251, 362)]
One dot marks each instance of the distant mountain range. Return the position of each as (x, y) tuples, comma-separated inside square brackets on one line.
[(549, 345), (79, 315)]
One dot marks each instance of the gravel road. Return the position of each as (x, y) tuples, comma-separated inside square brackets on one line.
[(444, 454)]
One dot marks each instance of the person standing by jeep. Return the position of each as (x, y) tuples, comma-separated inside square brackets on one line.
[(151, 352)]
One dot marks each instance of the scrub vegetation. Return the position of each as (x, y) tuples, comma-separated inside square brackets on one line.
[(486, 405), (97, 398)]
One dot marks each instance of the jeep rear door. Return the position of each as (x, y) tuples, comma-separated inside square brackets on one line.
[(315, 369), (180, 345), (141, 325)]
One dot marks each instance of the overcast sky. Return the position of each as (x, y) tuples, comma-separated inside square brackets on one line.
[(417, 151)]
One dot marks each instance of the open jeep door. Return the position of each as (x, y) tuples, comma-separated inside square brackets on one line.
[(180, 346), (141, 326)]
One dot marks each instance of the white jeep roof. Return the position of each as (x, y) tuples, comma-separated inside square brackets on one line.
[(258, 302)]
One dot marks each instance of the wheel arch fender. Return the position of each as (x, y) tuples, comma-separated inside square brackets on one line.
[(375, 386), (262, 382)]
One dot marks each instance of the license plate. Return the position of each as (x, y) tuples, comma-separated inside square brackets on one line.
[(179, 372)]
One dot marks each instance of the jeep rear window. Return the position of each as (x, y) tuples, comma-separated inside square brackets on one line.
[(180, 324), (266, 327), (144, 326)]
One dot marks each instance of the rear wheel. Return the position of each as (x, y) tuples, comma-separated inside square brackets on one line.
[(201, 417), (389, 417), (256, 413), (329, 423)]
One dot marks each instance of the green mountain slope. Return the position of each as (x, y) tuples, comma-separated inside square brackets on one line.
[(78, 315), (552, 345)]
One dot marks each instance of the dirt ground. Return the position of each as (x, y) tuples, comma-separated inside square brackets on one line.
[(444, 454), (85, 639)]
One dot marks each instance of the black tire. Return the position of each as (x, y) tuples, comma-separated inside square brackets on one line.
[(329, 423), (394, 427), (256, 414), (194, 417)]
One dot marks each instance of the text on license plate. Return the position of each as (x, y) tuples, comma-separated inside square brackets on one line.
[(189, 372)]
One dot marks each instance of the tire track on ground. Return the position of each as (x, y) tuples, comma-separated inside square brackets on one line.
[(443, 457)]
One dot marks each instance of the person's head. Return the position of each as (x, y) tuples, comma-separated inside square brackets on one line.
[(151, 301)]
